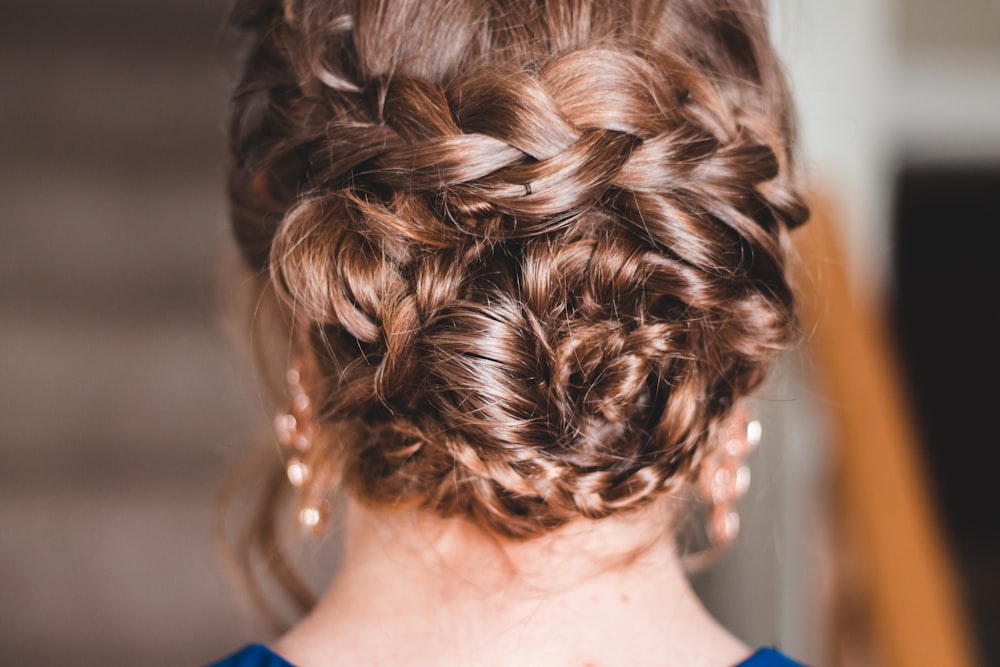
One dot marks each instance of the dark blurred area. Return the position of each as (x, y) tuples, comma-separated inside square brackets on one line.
[(943, 306), (945, 311), (122, 402)]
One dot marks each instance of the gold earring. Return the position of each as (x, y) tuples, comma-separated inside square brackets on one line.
[(296, 428), (722, 480), (725, 477)]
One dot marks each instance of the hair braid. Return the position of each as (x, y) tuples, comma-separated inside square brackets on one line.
[(539, 259)]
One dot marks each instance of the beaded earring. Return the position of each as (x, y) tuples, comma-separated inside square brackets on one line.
[(722, 480), (297, 429), (725, 477)]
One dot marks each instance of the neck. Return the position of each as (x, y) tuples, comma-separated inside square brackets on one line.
[(416, 590)]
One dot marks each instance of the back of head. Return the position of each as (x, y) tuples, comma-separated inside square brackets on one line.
[(534, 251)]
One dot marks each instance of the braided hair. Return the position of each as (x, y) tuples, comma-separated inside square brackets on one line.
[(537, 248)]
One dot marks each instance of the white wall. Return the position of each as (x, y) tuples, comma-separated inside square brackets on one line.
[(840, 58)]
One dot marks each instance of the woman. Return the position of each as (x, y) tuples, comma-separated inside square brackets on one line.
[(529, 256)]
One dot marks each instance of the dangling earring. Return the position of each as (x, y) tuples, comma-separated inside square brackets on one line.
[(723, 479), (296, 428)]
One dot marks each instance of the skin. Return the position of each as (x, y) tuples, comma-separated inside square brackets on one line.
[(416, 590)]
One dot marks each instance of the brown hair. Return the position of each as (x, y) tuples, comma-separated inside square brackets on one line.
[(536, 248)]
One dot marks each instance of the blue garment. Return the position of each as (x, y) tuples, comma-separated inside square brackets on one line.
[(258, 655), (254, 655), (769, 657)]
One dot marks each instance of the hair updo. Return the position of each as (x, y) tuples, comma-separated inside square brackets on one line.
[(535, 249)]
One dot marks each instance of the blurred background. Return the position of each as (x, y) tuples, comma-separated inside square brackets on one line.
[(124, 400)]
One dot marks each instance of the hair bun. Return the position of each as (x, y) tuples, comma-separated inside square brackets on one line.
[(534, 280)]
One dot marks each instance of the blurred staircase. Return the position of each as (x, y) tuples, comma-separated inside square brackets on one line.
[(122, 402)]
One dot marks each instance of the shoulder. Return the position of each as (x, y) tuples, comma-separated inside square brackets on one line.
[(769, 657), (252, 655)]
